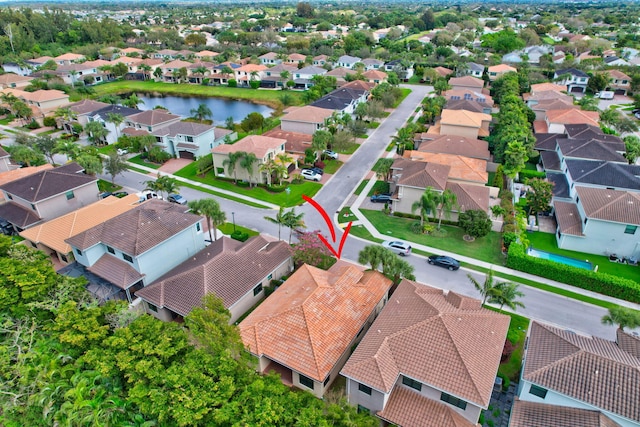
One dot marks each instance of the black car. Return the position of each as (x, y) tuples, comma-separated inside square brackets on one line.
[(444, 261), (381, 198), (317, 170), (105, 194), (120, 194)]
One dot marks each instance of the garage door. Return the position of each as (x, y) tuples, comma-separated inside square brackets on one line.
[(186, 155), (619, 92), (577, 89)]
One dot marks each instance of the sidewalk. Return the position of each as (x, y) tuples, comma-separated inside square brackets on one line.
[(156, 172), (355, 208)]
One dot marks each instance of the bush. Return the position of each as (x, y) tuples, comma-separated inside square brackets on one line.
[(277, 188), (33, 125), (232, 83), (243, 184), (475, 223), (319, 164), (255, 84), (590, 280), (157, 155), (240, 236), (406, 215), (528, 174), (49, 121)]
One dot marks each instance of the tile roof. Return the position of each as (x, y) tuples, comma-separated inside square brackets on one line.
[(443, 72), (152, 117), (249, 68), (359, 85), (87, 106), (568, 217), (18, 215), (572, 71), (590, 149), (420, 174), (544, 87), (573, 116), (408, 408), (116, 271), (340, 72), (296, 142), (45, 95), (54, 232), (501, 68), (307, 114), (176, 63), (602, 375), (470, 196), (460, 145), (550, 160), (48, 183), (445, 340), (374, 75), (9, 78), (546, 141), (104, 112), (183, 128), (610, 205), (13, 174), (138, 230), (587, 131), (553, 104), (309, 322), (462, 168), (466, 104), (560, 184), (606, 174), (470, 95), (463, 118), (618, 75), (549, 94), (534, 414), (466, 81), (257, 144), (227, 268)]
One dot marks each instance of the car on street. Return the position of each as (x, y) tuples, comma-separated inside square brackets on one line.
[(444, 261), (397, 247), (105, 194), (381, 198), (637, 115), (310, 175), (331, 154), (176, 198)]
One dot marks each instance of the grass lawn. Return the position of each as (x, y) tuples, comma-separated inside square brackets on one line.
[(345, 215), (510, 369), (331, 166), (390, 146), (487, 248), (269, 97), (360, 187), (139, 161), (373, 125), (7, 120), (405, 93), (349, 149), (108, 149), (282, 199), (547, 242), (107, 186), (548, 40), (362, 232), (227, 228)]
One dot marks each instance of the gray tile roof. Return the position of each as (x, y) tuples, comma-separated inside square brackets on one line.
[(18, 215), (475, 67), (153, 117), (546, 141), (590, 149), (550, 160), (573, 72), (560, 184), (183, 128), (87, 106), (48, 183), (568, 217), (606, 174), (466, 104), (534, 414), (227, 268), (421, 174), (115, 109), (459, 145), (138, 230), (586, 131), (590, 370)]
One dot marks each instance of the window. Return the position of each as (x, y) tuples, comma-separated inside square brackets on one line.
[(9, 196), (198, 228), (111, 250), (326, 381), (365, 389), (306, 381), (127, 258), (70, 195), (257, 289), (79, 252), (538, 391), (630, 229), (412, 383), (585, 221), (363, 410), (64, 258), (189, 138), (152, 308), (458, 403), (33, 206), (34, 245), (270, 276)]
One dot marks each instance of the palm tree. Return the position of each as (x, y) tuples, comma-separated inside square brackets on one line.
[(623, 317), (320, 141), (200, 70), (66, 114), (428, 202), (226, 71), (246, 162), (448, 200), (373, 255), (230, 163), (293, 221), (96, 132), (202, 112), (403, 139), (167, 184), (210, 209), (488, 288), (116, 119), (133, 101), (506, 294), (278, 219), (146, 70)]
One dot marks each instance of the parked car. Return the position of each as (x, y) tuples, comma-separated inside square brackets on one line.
[(317, 170), (331, 154), (637, 115), (444, 261), (176, 198), (105, 194), (381, 198), (397, 247), (310, 174)]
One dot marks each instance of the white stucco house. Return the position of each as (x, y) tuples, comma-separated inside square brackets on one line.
[(190, 140)]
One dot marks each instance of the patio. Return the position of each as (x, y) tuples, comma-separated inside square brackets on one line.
[(102, 290)]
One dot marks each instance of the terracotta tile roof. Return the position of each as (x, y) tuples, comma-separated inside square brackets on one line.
[(8, 78), (549, 94), (256, 144), (127, 60), (48, 183), (501, 68), (627, 342), (460, 145), (296, 57), (568, 217), (544, 87), (54, 232), (134, 132), (534, 414), (443, 72), (470, 196), (207, 53), (462, 168), (269, 55), (131, 50), (447, 341), (408, 408), (311, 320), (610, 205), (466, 104), (553, 104), (87, 106), (69, 57), (227, 268), (138, 230), (573, 116), (420, 174), (618, 75), (18, 215), (45, 95), (602, 375), (466, 81), (374, 75), (463, 118), (540, 126), (340, 72), (307, 114), (252, 67), (296, 142), (152, 117), (115, 271)]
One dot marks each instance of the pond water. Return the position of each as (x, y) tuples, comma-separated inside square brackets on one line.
[(221, 108)]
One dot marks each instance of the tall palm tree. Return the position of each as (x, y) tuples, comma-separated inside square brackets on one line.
[(428, 202), (488, 289), (202, 112), (292, 221), (210, 209), (623, 317), (146, 71), (506, 294), (133, 101), (96, 132), (447, 201), (231, 162), (168, 185), (320, 141), (116, 119), (374, 255), (278, 219), (246, 162)]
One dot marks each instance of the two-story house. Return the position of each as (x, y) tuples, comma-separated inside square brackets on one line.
[(372, 64), (47, 194), (137, 247), (462, 123), (303, 77), (320, 60), (234, 271), (82, 111), (475, 70), (189, 140), (306, 329), (270, 58), (248, 73), (343, 99), (42, 101), (296, 59), (496, 71), (151, 120), (104, 115), (278, 76), (575, 80), (619, 82), (69, 58), (466, 83), (416, 367), (263, 147), (346, 61), (404, 71), (305, 120)]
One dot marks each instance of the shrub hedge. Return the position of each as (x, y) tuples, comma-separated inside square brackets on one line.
[(527, 174), (601, 283), (239, 235)]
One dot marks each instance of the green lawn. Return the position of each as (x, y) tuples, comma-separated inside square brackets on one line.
[(269, 97), (349, 149), (345, 215), (227, 228), (108, 149), (405, 93), (362, 232), (547, 242), (487, 248), (282, 199), (548, 40), (373, 125), (139, 161), (107, 186), (331, 166), (510, 369)]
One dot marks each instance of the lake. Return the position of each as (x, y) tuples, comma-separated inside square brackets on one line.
[(221, 108)]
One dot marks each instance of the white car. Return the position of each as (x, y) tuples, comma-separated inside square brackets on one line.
[(397, 247), (122, 152), (331, 154), (310, 174)]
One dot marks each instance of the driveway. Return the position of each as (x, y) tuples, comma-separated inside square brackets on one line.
[(174, 165)]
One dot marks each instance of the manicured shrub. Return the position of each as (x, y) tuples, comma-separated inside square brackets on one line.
[(157, 155), (475, 223), (232, 83), (277, 188), (255, 84), (528, 174), (33, 125), (240, 236), (49, 121)]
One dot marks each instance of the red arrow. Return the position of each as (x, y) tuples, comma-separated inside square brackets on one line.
[(324, 214)]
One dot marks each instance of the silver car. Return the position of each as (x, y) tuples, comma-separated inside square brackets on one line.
[(397, 247)]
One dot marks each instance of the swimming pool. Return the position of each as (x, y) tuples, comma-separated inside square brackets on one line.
[(586, 265)]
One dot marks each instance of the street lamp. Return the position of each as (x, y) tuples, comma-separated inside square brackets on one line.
[(233, 217)]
